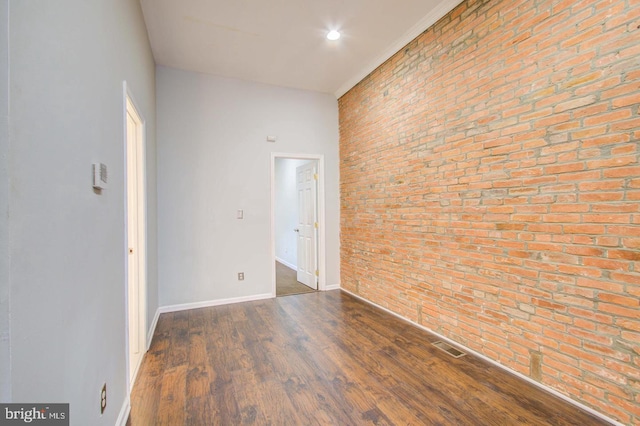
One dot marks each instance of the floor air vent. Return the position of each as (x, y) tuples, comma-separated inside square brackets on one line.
[(448, 349)]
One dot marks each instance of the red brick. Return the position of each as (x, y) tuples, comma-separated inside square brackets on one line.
[(624, 254), (625, 231), (564, 168), (607, 139), (628, 278), (628, 324), (619, 310), (606, 264), (575, 103), (517, 222), (622, 172), (584, 229), (612, 162), (599, 197), (626, 101), (619, 300), (606, 218), (619, 208)]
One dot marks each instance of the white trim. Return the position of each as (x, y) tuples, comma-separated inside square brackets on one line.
[(287, 264), (209, 303), (332, 287), (152, 329), (497, 364), (136, 370), (321, 217), (142, 231), (124, 412), (421, 26)]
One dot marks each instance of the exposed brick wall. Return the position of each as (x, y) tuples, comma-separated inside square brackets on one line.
[(490, 189)]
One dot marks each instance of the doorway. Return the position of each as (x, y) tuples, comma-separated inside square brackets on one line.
[(297, 213), (135, 236)]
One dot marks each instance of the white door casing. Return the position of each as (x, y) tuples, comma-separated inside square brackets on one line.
[(306, 186), (136, 224), (321, 237)]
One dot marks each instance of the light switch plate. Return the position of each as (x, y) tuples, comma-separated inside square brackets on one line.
[(99, 175)]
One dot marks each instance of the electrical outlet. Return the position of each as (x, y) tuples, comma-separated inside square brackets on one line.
[(103, 398), (240, 276)]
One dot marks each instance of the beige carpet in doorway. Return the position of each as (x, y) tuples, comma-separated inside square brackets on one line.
[(286, 282)]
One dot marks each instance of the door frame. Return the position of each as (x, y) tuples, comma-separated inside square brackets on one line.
[(321, 252), (142, 234)]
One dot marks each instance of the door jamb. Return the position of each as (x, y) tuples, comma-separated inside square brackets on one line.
[(142, 231), (321, 255)]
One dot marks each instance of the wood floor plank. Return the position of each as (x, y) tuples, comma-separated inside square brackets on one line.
[(323, 358), (366, 397), (222, 352), (354, 358), (198, 374), (172, 406), (146, 392), (201, 410), (178, 348), (308, 395)]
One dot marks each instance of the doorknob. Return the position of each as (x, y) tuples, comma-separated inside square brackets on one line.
[(296, 230), (130, 251)]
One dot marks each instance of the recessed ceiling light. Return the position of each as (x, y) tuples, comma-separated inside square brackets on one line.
[(333, 35)]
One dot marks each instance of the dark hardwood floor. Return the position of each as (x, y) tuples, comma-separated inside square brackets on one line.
[(323, 358)]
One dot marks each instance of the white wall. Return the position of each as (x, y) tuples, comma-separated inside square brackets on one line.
[(68, 59), (286, 209), (5, 329), (213, 159)]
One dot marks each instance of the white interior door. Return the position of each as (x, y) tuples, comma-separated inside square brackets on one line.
[(306, 186), (136, 309)]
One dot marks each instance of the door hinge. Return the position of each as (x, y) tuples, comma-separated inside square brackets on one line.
[(317, 273), (315, 176), (315, 224)]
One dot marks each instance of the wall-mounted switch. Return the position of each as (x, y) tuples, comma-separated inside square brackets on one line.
[(99, 175), (240, 214), (271, 138)]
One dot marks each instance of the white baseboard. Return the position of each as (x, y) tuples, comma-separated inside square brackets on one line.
[(208, 303), (124, 412), (152, 329), (285, 263), (332, 287), (497, 364)]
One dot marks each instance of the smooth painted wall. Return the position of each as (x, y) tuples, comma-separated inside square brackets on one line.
[(68, 60), (286, 209), (5, 329), (213, 159)]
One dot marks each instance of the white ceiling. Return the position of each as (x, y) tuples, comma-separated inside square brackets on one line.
[(283, 42)]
